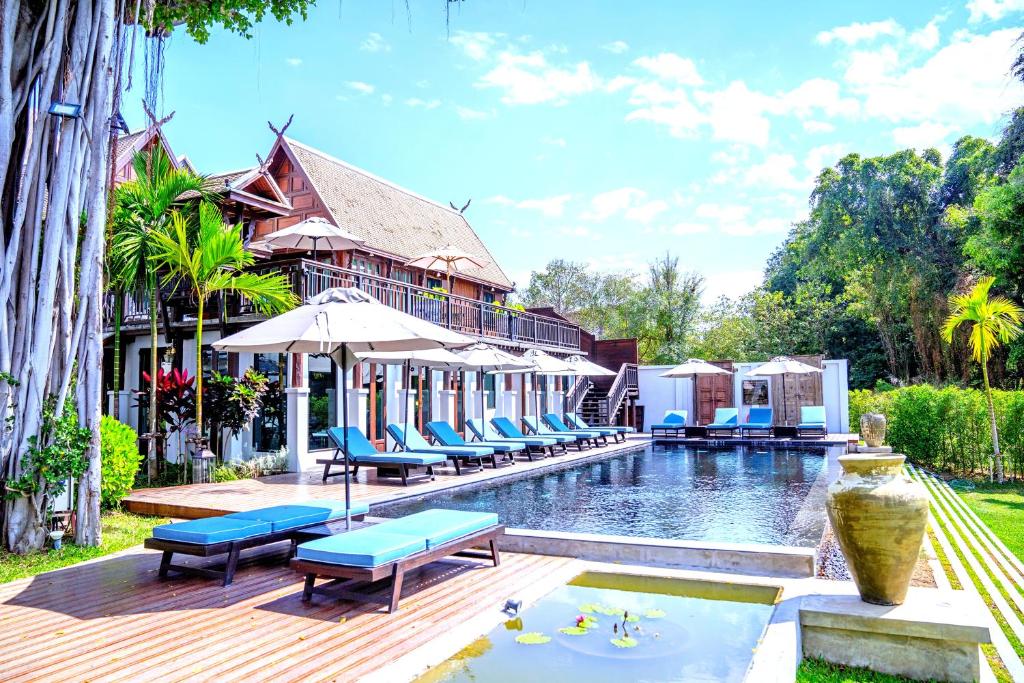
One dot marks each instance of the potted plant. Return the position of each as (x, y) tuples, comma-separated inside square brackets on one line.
[(57, 538)]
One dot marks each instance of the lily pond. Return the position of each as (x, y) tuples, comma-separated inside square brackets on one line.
[(611, 627)]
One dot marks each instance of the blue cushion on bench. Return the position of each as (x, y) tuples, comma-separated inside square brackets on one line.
[(397, 458), (282, 517), (437, 526), (504, 446), (366, 547), (211, 530), (811, 425)]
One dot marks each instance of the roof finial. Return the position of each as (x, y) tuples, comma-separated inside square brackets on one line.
[(464, 206), (153, 122), (280, 133)]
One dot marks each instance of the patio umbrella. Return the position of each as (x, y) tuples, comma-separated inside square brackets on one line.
[(310, 233), (449, 259), (690, 369), (545, 364), (341, 322), (783, 365), (589, 368), (489, 359)]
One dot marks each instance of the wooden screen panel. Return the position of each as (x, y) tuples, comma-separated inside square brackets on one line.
[(713, 391), (796, 391)]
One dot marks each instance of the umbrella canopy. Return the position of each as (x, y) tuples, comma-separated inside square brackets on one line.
[(782, 365), (428, 358), (312, 234), (544, 364), (695, 366), (487, 358), (448, 259), (582, 366)]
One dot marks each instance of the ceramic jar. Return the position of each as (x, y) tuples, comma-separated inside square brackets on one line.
[(879, 516), (872, 429)]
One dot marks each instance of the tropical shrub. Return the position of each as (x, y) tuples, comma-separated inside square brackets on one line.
[(119, 448), (232, 403)]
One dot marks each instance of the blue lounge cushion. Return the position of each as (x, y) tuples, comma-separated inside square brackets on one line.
[(412, 441), (282, 517), (444, 433), (357, 443), (397, 458), (437, 526), (557, 425), (531, 422), (476, 425), (812, 415), (578, 422), (811, 425), (366, 547), (211, 530), (725, 418)]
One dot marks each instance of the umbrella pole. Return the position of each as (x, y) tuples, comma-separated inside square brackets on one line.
[(785, 408), (408, 381), (483, 418), (344, 431)]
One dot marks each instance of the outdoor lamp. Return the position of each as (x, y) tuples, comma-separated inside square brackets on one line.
[(65, 110)]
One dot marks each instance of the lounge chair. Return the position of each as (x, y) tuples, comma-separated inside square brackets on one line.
[(758, 420), (390, 549), (619, 431), (508, 430), (535, 445), (596, 436), (532, 426), (812, 419), (445, 434), (411, 441), (726, 420), (361, 453), (231, 534), (673, 421)]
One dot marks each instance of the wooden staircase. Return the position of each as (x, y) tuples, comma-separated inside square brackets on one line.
[(604, 401)]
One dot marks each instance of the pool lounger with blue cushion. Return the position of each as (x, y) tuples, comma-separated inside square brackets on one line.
[(237, 531), (758, 420), (617, 431), (362, 453), (726, 420), (535, 445), (812, 419), (507, 429), (411, 441), (390, 549), (673, 421), (445, 434), (595, 436), (532, 426)]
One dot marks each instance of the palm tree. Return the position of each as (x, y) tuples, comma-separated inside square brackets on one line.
[(211, 261), (143, 208), (993, 320)]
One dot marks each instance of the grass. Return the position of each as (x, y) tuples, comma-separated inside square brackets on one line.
[(817, 671), (1001, 507), (120, 530)]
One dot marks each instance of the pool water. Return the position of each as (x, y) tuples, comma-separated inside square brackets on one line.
[(707, 633), (740, 494)]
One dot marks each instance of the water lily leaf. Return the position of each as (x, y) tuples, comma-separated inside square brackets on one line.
[(654, 613), (589, 608), (624, 641), (588, 622), (573, 631), (632, 617), (609, 611), (533, 638)]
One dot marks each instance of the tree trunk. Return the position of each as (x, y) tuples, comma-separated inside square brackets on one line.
[(199, 369), (118, 312), (997, 456), (154, 365)]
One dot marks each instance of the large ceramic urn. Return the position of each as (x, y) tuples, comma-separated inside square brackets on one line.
[(879, 516), (872, 429)]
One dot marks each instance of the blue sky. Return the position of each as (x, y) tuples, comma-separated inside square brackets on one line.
[(604, 132)]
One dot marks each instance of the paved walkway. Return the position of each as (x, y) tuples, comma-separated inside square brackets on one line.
[(991, 570)]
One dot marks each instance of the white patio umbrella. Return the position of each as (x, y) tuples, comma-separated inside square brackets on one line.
[(783, 365), (545, 364), (341, 322), (690, 369), (449, 259), (584, 366), (491, 360), (311, 233)]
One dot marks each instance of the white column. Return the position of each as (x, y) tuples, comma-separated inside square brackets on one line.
[(299, 457), (446, 406)]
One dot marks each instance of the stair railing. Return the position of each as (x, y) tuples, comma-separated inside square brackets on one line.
[(625, 382), (576, 393)]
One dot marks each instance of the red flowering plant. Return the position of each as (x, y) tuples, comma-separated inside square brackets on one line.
[(175, 399)]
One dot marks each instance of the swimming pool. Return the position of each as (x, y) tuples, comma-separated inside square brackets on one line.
[(740, 494)]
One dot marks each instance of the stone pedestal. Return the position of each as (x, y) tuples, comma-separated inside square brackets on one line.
[(874, 450), (934, 635)]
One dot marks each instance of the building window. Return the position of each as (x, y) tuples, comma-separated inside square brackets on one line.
[(270, 426), (489, 387), (365, 265), (323, 396), (433, 283), (488, 297), (755, 392), (402, 275)]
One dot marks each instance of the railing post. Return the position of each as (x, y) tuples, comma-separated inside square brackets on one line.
[(481, 325)]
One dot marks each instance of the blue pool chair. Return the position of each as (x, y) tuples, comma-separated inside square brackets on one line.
[(595, 436), (361, 453), (445, 434), (508, 430), (618, 431), (758, 420), (411, 441), (673, 421), (532, 425), (812, 420), (535, 445), (231, 534), (726, 420), (390, 549)]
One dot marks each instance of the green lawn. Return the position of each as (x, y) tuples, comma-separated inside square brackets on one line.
[(1001, 507), (817, 671), (120, 530)]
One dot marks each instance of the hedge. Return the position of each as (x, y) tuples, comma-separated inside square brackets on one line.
[(120, 458), (947, 428)]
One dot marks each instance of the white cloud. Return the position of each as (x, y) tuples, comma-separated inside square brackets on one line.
[(645, 213), (992, 9), (688, 229), (360, 86), (926, 38), (816, 95), (731, 284), (733, 219), (737, 113), (468, 114), (475, 44), (426, 104), (671, 67), (529, 79), (858, 32), (616, 46), (607, 204), (375, 43), (671, 108), (824, 155), (866, 67), (549, 206), (818, 126), (293, 61), (776, 171), (578, 231), (923, 135), (554, 142)]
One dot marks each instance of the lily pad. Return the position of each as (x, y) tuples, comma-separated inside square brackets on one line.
[(573, 631), (624, 641), (533, 638), (654, 613), (588, 622), (609, 611), (632, 618), (589, 608)]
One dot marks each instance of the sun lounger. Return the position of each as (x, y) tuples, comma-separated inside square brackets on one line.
[(508, 430), (726, 420), (446, 435), (812, 419), (532, 426), (361, 453), (619, 432), (595, 436), (411, 441), (758, 420), (390, 549), (535, 445), (233, 533), (673, 421)]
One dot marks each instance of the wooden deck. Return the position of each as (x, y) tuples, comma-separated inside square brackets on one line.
[(112, 620), (205, 500)]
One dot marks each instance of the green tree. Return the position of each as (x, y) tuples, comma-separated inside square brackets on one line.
[(993, 320), (211, 261)]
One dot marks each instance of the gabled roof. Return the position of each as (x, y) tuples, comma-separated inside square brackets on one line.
[(128, 145), (390, 218)]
